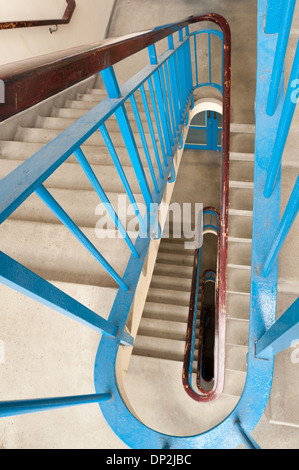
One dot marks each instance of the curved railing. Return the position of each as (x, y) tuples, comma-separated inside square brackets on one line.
[(53, 73), (66, 18), (172, 71), (220, 316), (206, 360)]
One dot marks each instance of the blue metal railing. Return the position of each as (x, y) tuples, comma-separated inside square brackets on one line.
[(285, 121), (167, 84)]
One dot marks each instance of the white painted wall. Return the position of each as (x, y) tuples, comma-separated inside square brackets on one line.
[(88, 25)]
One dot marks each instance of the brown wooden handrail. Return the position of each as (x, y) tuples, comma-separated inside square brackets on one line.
[(31, 81), (221, 278), (66, 18)]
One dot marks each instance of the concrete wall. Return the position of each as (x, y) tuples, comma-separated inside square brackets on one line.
[(88, 25)]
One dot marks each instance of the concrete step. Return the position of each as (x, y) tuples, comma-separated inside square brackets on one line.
[(241, 199), (28, 134), (167, 282), (242, 143), (165, 311), (71, 176), (238, 280), (164, 269), (83, 207), (176, 258), (48, 250), (241, 170), (240, 227), (237, 331), (239, 254), (76, 113), (62, 123), (95, 154), (168, 296), (238, 305)]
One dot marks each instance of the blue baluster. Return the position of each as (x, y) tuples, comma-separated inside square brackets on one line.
[(285, 224), (144, 142), (113, 91), (102, 195), (160, 99), (156, 114), (280, 53), (287, 113), (50, 202), (121, 173)]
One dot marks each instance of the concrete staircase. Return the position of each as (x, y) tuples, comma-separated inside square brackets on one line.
[(158, 352)]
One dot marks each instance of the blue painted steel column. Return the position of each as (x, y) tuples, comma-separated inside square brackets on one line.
[(286, 222), (281, 334), (20, 407), (273, 16), (247, 440), (113, 91), (160, 99), (280, 53), (284, 126)]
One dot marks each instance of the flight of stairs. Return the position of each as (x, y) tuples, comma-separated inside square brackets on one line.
[(155, 369)]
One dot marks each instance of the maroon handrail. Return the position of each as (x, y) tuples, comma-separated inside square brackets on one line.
[(33, 80), (66, 18), (221, 270)]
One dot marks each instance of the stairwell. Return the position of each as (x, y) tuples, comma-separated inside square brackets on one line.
[(34, 345)]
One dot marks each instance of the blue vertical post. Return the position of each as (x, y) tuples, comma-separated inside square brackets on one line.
[(113, 91), (173, 81), (273, 16), (156, 114), (285, 224), (280, 53), (281, 334), (161, 104), (284, 126)]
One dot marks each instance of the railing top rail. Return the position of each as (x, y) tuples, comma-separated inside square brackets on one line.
[(53, 73), (66, 18)]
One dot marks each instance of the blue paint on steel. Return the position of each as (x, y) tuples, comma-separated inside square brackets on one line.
[(151, 128), (53, 205), (262, 306), (280, 53), (157, 120), (281, 334), (113, 91), (285, 225), (284, 126), (273, 16), (122, 174), (160, 100), (20, 407), (144, 142), (102, 195), (246, 439), (20, 278)]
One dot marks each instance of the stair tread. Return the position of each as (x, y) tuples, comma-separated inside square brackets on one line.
[(48, 250)]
